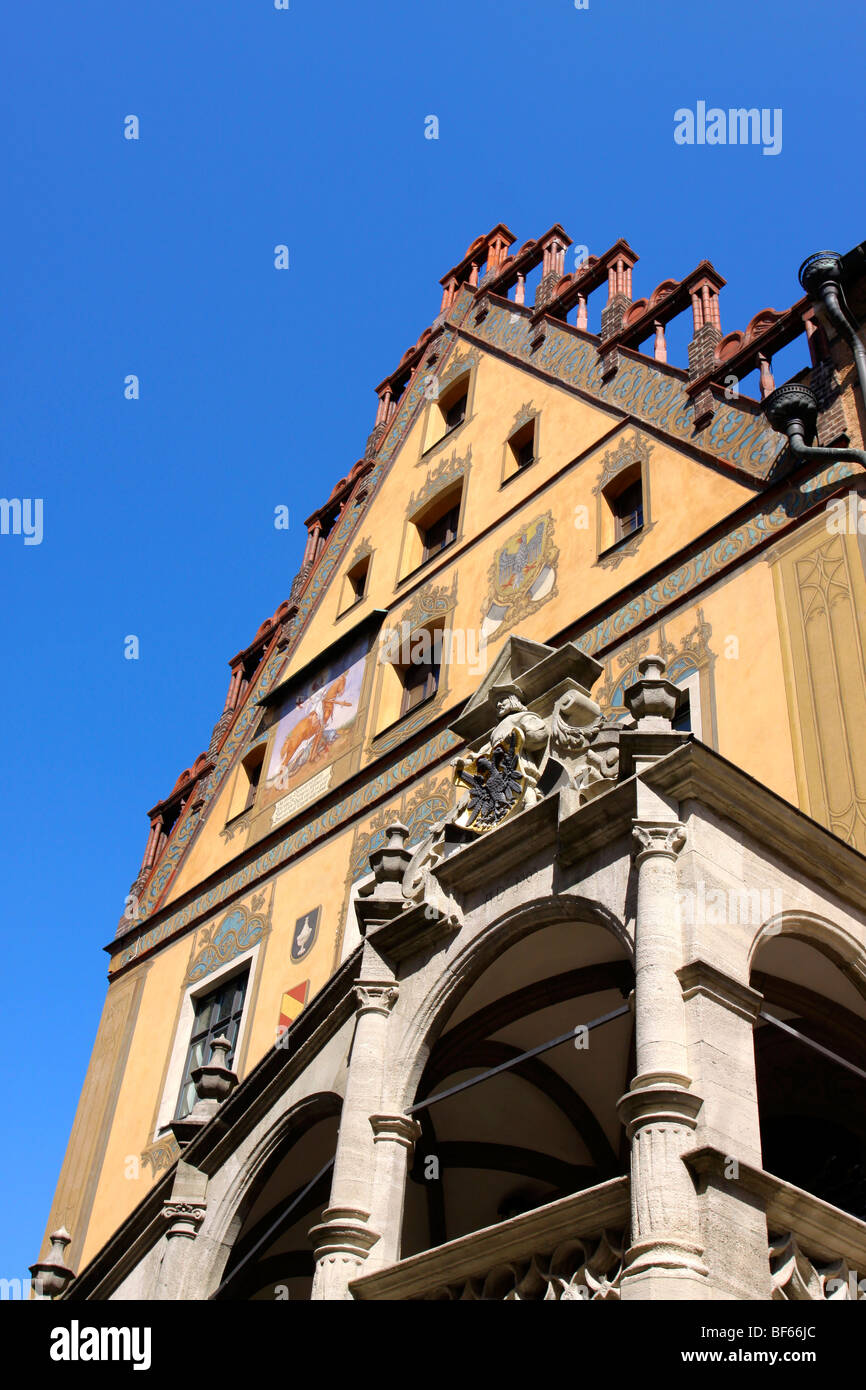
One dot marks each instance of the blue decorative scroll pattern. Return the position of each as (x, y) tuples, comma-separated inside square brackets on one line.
[(735, 435), (236, 932)]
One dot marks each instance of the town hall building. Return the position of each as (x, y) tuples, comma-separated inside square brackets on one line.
[(508, 940)]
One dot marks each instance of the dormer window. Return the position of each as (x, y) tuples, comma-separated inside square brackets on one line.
[(432, 529), (355, 584), (628, 510), (448, 411)]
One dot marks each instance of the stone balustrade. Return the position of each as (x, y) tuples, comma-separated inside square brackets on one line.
[(571, 1248)]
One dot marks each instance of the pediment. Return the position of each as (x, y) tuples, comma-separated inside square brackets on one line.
[(533, 666)]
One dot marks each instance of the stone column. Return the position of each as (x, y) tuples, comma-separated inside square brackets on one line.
[(660, 1111), (183, 1213), (394, 1137), (345, 1237), (720, 1017)]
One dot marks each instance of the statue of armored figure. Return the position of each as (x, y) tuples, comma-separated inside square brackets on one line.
[(521, 736)]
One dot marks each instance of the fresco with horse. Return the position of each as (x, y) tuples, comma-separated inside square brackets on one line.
[(316, 723)]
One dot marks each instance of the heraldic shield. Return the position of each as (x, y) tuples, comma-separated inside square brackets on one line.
[(496, 782)]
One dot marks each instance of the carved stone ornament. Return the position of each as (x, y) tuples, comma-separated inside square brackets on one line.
[(52, 1275), (563, 743), (665, 839), (184, 1218), (376, 998), (589, 1270), (797, 1277), (497, 784)]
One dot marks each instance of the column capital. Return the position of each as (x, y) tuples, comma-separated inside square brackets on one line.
[(662, 839), (400, 1129), (659, 1098), (376, 997), (185, 1218), (343, 1231)]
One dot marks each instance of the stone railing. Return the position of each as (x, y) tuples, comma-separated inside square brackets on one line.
[(816, 1251), (568, 1249)]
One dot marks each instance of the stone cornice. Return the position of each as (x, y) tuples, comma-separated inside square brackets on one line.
[(697, 772), (699, 977)]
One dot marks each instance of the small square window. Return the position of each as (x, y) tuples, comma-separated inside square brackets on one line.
[(521, 448), (356, 583)]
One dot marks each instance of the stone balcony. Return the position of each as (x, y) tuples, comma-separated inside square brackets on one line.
[(572, 1248), (815, 1251)]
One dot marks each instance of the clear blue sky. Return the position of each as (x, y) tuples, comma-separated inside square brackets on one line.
[(155, 257)]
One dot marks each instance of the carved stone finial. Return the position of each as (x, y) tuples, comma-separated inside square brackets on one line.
[(389, 863), (213, 1082), (52, 1275), (652, 700)]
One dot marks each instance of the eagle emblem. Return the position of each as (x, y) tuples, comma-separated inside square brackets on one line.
[(495, 785)]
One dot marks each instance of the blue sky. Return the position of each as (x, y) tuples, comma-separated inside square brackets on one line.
[(156, 257)]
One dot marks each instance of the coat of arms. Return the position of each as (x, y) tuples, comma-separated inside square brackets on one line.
[(495, 783), (522, 575), (305, 933)]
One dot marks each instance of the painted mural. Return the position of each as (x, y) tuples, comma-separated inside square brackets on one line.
[(522, 576), (316, 723)]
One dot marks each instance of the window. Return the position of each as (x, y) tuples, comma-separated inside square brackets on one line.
[(217, 1015), (420, 683), (682, 719), (628, 510), (431, 529), (448, 412), (623, 506), (246, 783), (355, 584), (455, 413), (252, 766), (440, 533), (520, 449)]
